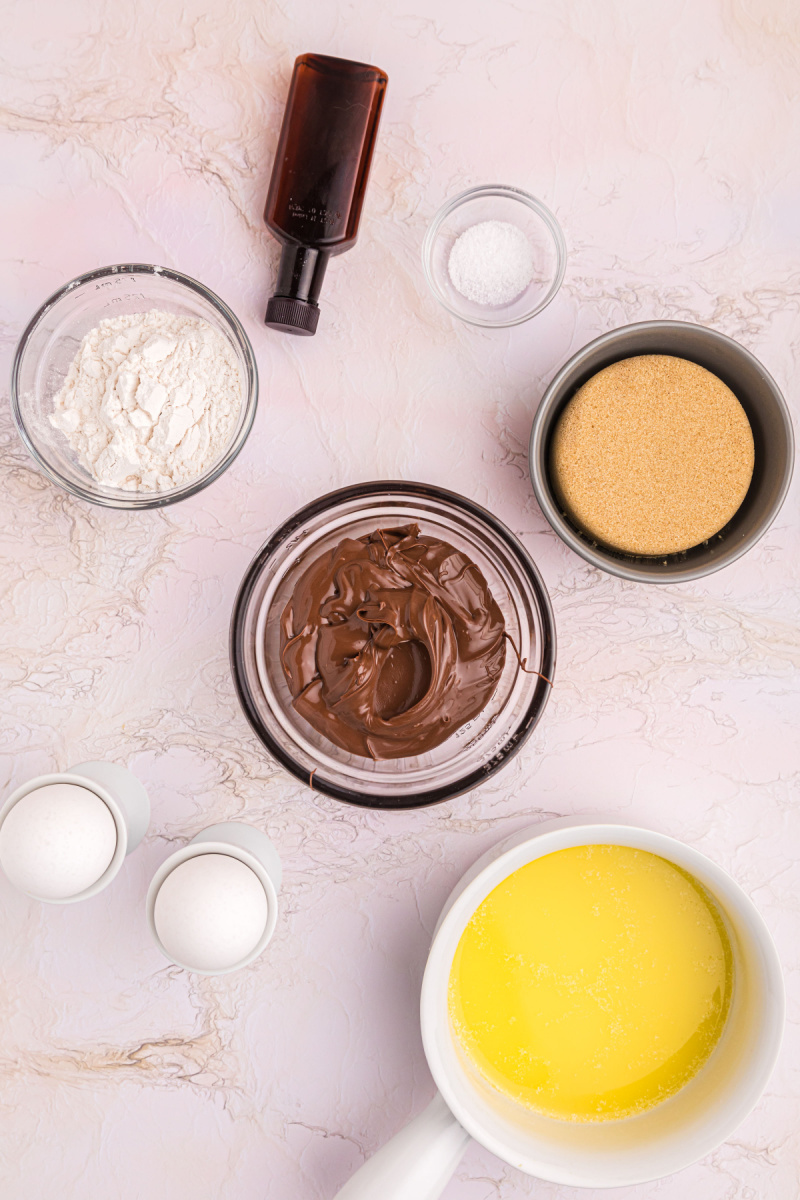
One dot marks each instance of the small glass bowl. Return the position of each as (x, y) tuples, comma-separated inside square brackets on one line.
[(493, 202), (472, 753), (51, 341)]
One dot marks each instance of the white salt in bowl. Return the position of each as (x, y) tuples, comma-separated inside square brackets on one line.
[(512, 206), (51, 340)]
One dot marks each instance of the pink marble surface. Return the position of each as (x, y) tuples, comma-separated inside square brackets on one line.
[(666, 139)]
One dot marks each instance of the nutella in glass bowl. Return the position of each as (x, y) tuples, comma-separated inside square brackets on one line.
[(391, 642), (393, 645)]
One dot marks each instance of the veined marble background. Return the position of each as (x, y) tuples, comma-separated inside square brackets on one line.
[(666, 137)]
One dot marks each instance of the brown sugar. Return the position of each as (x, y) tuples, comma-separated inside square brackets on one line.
[(653, 455)]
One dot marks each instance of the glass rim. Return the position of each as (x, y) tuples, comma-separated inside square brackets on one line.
[(511, 193), (522, 729), (140, 500)]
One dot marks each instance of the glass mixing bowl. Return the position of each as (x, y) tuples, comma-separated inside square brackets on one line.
[(475, 751), (493, 202), (51, 341)]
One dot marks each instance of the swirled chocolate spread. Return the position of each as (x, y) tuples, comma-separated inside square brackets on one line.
[(391, 642)]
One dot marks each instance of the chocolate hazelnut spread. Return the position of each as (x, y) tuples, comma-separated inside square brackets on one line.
[(391, 642)]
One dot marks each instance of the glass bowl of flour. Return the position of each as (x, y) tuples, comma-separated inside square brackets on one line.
[(134, 386), (494, 256)]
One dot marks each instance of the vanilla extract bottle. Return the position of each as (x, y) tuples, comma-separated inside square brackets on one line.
[(319, 178)]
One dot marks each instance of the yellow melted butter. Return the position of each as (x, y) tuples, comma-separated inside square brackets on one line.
[(592, 983)]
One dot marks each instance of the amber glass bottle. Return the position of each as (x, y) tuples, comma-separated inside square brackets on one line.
[(319, 178)]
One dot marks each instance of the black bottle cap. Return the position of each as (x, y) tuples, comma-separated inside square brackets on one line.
[(292, 316), (294, 307)]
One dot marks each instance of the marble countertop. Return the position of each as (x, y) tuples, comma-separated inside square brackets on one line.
[(665, 138)]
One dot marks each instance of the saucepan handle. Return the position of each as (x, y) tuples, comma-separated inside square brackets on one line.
[(416, 1164)]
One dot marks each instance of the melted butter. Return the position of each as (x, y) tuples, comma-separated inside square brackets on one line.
[(592, 983)]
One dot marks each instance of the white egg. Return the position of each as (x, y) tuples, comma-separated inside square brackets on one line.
[(210, 912), (57, 841)]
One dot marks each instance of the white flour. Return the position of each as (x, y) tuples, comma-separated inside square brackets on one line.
[(150, 400)]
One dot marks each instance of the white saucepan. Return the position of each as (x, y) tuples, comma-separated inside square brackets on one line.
[(419, 1161)]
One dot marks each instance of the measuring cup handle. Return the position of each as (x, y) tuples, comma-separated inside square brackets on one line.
[(416, 1164)]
